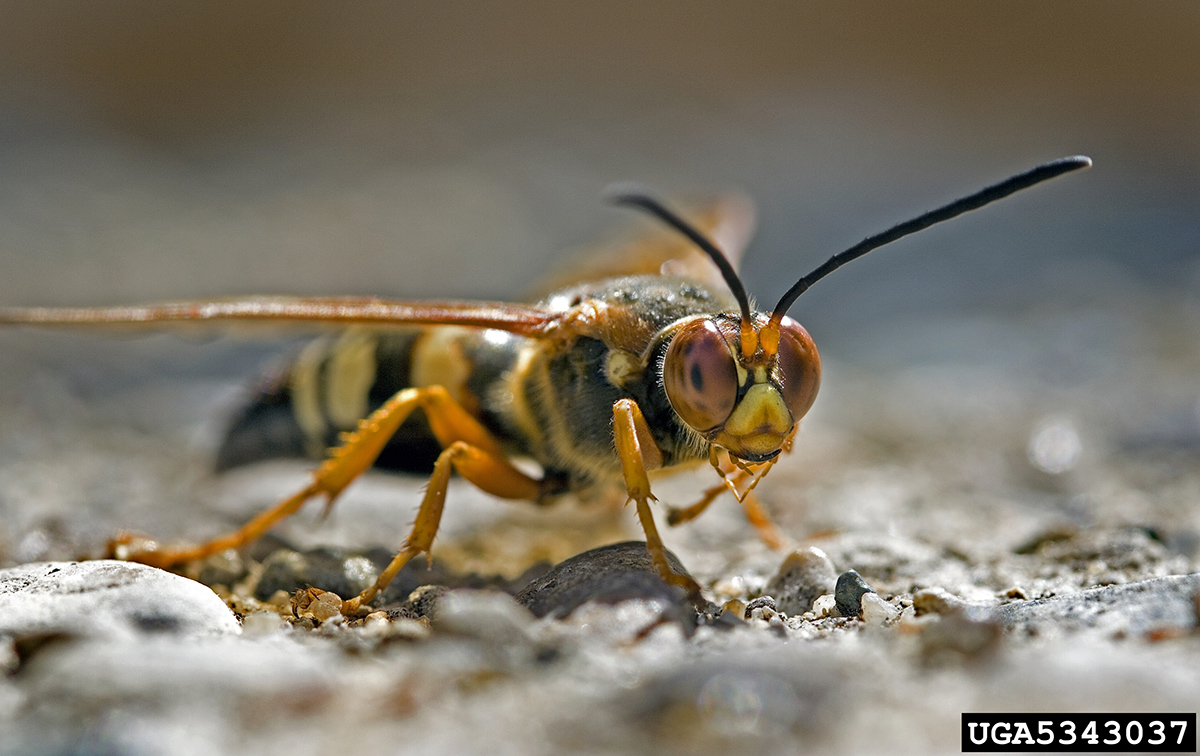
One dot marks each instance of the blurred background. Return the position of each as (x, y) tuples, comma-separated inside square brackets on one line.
[(455, 149)]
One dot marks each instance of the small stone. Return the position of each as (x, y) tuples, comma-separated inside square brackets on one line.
[(803, 576), (734, 607), (316, 604), (762, 608), (107, 598), (376, 625), (937, 601), (876, 611), (326, 607), (849, 592), (824, 606)]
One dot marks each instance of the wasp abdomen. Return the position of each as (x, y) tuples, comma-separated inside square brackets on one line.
[(337, 381)]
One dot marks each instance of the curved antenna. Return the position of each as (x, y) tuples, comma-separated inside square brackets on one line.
[(633, 196), (1041, 173)]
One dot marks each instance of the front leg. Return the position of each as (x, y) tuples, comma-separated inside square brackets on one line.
[(638, 454)]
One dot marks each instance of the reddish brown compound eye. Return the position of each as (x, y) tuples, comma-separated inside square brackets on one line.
[(799, 368), (700, 376)]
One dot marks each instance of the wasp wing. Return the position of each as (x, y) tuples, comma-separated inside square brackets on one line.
[(728, 222), (524, 320)]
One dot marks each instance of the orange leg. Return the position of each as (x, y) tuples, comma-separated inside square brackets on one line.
[(461, 434), (680, 515), (488, 471), (768, 531), (755, 513), (638, 454)]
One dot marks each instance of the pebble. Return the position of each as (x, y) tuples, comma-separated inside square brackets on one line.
[(876, 611), (937, 601), (762, 607), (824, 606), (107, 598), (803, 576), (848, 593), (609, 574)]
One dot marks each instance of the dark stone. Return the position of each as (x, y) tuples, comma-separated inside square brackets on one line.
[(849, 592), (804, 576), (609, 574)]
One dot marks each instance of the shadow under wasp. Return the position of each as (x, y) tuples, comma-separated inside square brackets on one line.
[(652, 360)]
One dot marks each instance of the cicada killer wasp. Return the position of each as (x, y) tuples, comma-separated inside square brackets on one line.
[(655, 360)]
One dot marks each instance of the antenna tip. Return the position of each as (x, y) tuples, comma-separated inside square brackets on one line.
[(1076, 161)]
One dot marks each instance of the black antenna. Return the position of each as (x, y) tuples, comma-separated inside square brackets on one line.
[(625, 194), (977, 200)]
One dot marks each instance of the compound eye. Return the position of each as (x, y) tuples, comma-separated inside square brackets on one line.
[(799, 368), (700, 376)]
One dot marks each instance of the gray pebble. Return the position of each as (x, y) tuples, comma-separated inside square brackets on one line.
[(849, 592), (107, 598), (804, 575)]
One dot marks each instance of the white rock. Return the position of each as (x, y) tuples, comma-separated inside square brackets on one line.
[(107, 598), (824, 606), (876, 611)]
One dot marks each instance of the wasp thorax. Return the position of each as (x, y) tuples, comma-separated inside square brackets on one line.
[(700, 375)]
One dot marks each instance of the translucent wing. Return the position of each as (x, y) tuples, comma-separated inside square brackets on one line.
[(728, 221), (525, 320)]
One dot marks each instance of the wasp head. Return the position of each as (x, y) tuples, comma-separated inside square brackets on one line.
[(745, 401)]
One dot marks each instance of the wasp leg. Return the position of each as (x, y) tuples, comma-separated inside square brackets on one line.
[(487, 470), (680, 515), (755, 513), (448, 420), (768, 531), (638, 454)]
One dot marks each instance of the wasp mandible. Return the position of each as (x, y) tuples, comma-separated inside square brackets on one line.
[(600, 383)]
